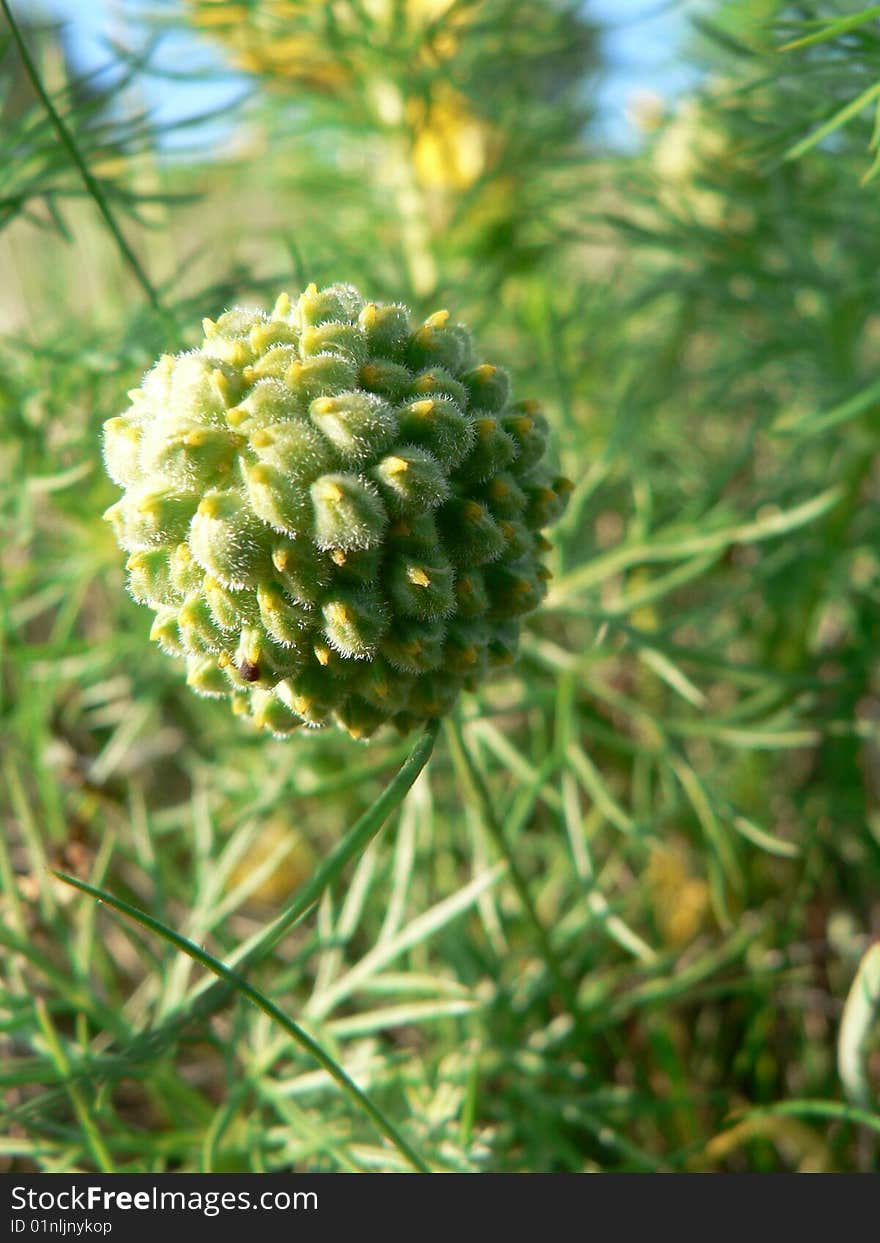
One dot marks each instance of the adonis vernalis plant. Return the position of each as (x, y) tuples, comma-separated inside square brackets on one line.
[(335, 514)]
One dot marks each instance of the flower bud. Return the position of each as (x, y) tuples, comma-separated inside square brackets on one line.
[(281, 502), (271, 714), (322, 375), (386, 329), (489, 387), (440, 425), (188, 458), (414, 646), (334, 514), (545, 502), (437, 343), (355, 620), (229, 541), (122, 438), (438, 382), (513, 589), (420, 588), (149, 577), (230, 609), (288, 623), (269, 402), (411, 481), (198, 629), (201, 389), (187, 575), (205, 677), (503, 495), (494, 450), (359, 425), (320, 306), (304, 571), (528, 428), (385, 378), (348, 513), (334, 337), (166, 632), (471, 597), (147, 519), (473, 537)]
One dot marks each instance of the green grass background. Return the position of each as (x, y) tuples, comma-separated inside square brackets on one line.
[(614, 923)]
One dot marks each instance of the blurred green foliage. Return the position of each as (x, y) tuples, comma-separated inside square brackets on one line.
[(614, 923)]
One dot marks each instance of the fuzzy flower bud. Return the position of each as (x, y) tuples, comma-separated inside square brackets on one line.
[(335, 514)]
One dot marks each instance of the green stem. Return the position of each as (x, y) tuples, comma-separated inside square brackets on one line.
[(415, 232), (354, 843), (100, 1153), (207, 999), (389, 111), (298, 1034), (471, 777), (69, 143)]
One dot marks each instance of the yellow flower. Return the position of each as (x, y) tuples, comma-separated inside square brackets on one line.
[(278, 861), (679, 899), (283, 41), (276, 38), (687, 146), (450, 147)]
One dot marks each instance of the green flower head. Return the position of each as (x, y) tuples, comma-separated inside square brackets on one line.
[(334, 514)]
